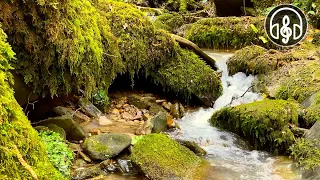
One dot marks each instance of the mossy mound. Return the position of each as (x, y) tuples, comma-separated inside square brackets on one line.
[(223, 32), (189, 74), (302, 82), (62, 46), (22, 153), (294, 76), (257, 60), (163, 158), (244, 60), (264, 123), (82, 45), (171, 22)]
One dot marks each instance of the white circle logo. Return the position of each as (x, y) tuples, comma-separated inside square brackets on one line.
[(286, 25)]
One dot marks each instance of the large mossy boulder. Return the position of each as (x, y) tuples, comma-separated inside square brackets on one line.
[(302, 82), (82, 45), (189, 76), (296, 74), (160, 157), (224, 32), (23, 155), (264, 123), (105, 146), (258, 60)]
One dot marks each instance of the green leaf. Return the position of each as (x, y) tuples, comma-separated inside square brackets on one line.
[(135, 139), (253, 27), (263, 39), (314, 5), (312, 12)]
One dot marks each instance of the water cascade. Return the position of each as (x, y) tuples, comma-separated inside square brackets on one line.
[(230, 156)]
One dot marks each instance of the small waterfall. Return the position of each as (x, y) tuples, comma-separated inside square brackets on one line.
[(227, 152)]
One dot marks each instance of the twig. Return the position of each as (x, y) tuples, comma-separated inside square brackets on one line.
[(76, 111), (246, 91)]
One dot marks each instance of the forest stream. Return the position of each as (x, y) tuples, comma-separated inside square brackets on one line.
[(230, 156)]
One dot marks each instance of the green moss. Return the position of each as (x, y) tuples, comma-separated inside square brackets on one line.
[(312, 115), (257, 60), (188, 75), (311, 9), (223, 32), (58, 152), (302, 82), (171, 22), (264, 123), (83, 45), (63, 46), (244, 60), (316, 39), (15, 130), (163, 158), (306, 154)]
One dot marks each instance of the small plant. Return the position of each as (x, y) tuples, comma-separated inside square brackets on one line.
[(306, 153), (255, 30), (101, 99), (59, 154), (135, 139)]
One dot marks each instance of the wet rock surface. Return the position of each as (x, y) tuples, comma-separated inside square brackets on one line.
[(73, 130), (105, 146)]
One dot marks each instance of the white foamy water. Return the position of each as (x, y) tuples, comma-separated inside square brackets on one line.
[(227, 152)]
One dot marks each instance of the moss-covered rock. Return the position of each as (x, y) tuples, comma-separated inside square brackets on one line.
[(188, 76), (172, 22), (105, 146), (83, 45), (302, 82), (257, 60), (163, 158), (296, 75), (223, 32), (264, 123), (23, 155), (245, 60)]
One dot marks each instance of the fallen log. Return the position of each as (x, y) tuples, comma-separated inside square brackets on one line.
[(185, 43)]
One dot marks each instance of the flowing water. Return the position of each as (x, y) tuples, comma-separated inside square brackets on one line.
[(230, 156)]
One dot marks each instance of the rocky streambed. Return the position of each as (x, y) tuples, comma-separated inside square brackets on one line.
[(110, 150)]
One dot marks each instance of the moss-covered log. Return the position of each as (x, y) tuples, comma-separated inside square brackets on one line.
[(223, 32), (23, 155), (163, 158), (264, 123), (185, 43)]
